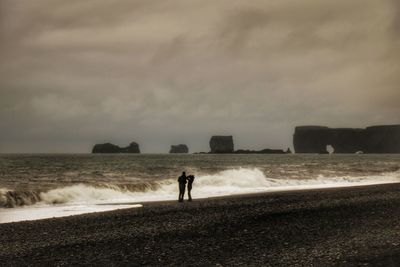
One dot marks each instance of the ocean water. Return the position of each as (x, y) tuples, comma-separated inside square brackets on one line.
[(35, 186)]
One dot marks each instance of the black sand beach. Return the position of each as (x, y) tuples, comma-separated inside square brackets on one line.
[(345, 226)]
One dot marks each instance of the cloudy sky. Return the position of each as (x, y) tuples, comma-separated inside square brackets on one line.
[(162, 72)]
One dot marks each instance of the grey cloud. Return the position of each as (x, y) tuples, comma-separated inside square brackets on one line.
[(160, 72), (240, 25)]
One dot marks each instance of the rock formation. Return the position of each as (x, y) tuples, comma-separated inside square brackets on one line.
[(106, 148), (179, 149), (221, 144), (224, 144), (376, 139), (111, 148), (132, 148), (264, 151)]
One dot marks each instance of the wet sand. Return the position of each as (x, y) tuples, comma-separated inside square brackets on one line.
[(344, 226)]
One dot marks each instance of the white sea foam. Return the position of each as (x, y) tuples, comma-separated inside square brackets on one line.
[(38, 212), (229, 182)]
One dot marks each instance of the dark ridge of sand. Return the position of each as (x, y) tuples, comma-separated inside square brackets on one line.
[(345, 226)]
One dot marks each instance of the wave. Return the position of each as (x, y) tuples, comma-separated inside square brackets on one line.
[(229, 182), (10, 199)]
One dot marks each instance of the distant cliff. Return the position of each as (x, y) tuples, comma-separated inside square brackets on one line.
[(111, 148), (264, 151), (179, 149), (224, 145), (375, 139), (221, 144)]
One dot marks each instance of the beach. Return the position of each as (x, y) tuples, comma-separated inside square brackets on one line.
[(343, 226)]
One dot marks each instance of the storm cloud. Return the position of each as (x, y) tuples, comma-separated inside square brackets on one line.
[(77, 72)]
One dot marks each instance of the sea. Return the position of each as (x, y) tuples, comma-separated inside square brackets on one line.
[(38, 186)]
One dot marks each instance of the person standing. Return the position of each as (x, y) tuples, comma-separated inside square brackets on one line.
[(190, 180), (182, 185)]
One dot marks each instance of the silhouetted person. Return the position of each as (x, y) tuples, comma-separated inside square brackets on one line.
[(182, 185), (190, 180)]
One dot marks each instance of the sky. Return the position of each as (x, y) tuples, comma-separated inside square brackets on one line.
[(161, 72)]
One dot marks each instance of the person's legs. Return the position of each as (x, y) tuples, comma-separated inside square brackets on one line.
[(190, 193), (181, 192)]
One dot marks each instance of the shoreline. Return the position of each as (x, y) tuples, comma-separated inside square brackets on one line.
[(106, 206), (335, 226)]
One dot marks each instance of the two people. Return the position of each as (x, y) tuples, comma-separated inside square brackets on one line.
[(183, 180)]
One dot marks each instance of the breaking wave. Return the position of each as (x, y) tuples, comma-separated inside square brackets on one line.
[(229, 182)]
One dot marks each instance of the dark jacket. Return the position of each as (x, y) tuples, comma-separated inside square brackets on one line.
[(182, 179), (190, 179)]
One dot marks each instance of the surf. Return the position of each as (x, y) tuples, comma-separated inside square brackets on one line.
[(228, 182), (86, 198)]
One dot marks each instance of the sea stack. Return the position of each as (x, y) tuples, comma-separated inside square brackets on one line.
[(181, 148), (106, 148), (132, 148), (109, 148), (221, 144), (376, 139)]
